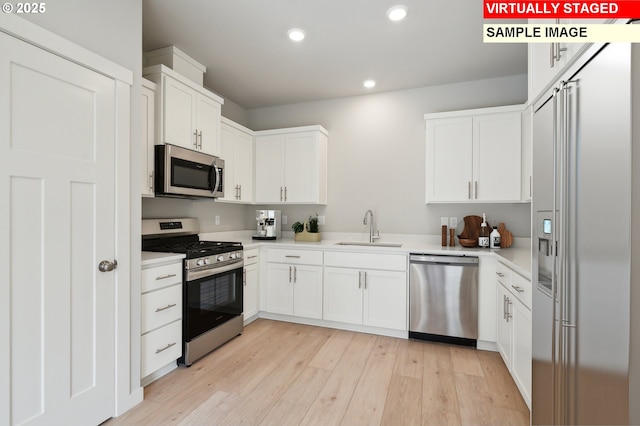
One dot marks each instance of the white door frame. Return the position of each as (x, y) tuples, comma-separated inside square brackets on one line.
[(127, 385)]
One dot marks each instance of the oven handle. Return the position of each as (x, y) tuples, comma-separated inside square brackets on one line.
[(207, 272)]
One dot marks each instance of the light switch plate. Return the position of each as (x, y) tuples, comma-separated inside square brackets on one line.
[(444, 221), (321, 220), (453, 222), (284, 219), (217, 219)]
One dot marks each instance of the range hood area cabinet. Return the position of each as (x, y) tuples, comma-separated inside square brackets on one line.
[(474, 155), (147, 139), (187, 115), (291, 166), (236, 149)]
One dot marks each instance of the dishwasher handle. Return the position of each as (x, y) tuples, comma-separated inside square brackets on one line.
[(443, 260)]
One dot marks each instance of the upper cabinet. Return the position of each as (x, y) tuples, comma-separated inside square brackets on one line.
[(291, 165), (147, 139), (474, 155), (547, 60), (188, 114), (237, 153)]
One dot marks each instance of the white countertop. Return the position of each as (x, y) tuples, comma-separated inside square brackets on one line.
[(150, 258), (517, 257)]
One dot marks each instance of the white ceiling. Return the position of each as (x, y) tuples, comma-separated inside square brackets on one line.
[(250, 60)]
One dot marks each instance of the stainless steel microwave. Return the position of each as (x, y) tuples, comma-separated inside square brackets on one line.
[(181, 172)]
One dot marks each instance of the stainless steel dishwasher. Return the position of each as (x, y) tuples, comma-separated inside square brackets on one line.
[(443, 298)]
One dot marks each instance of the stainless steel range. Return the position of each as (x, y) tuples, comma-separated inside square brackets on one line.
[(212, 284)]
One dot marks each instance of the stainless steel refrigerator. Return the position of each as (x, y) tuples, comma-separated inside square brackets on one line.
[(584, 219)]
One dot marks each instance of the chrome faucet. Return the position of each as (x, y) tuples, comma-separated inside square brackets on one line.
[(372, 236)]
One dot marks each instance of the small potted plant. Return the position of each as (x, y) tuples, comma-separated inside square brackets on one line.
[(307, 231)]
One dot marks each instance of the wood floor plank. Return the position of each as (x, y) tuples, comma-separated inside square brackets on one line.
[(439, 399), (212, 410), (437, 358), (333, 399), (465, 360), (500, 384), (367, 403), (329, 355), (404, 401), (410, 359)]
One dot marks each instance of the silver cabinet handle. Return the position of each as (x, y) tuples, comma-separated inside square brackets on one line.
[(252, 257), (200, 135), (285, 193), (165, 348), (504, 307), (500, 274), (151, 181), (517, 288), (365, 280), (195, 137), (295, 274), (244, 276), (281, 194), (359, 279), (169, 306), (107, 266), (289, 273), (239, 192), (164, 277), (509, 309), (469, 188), (291, 256), (476, 189)]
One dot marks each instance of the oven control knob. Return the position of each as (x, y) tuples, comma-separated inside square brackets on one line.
[(233, 256), (200, 262), (220, 258), (207, 261)]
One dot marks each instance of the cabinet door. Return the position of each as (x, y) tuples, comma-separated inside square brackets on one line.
[(385, 299), (497, 140), (243, 166), (178, 122), (280, 288), (342, 295), (208, 125), (227, 153), (504, 324), (521, 356), (270, 169), (147, 139), (449, 159), (250, 291), (301, 168), (307, 291)]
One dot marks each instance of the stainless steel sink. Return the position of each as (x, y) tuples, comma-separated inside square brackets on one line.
[(354, 243)]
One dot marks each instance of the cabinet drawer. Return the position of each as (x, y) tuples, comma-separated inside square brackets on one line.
[(389, 262), (161, 307), (161, 276), (521, 288), (160, 347), (250, 257), (503, 274), (297, 257)]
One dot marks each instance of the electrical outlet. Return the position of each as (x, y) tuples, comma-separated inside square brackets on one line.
[(444, 221), (453, 222), (321, 220), (217, 219), (284, 219)]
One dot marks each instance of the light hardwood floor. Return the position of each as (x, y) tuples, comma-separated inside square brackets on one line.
[(279, 373)]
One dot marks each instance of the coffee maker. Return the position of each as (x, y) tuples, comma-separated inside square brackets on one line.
[(268, 225)]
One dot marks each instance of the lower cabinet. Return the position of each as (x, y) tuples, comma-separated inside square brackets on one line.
[(513, 298), (161, 319), (250, 285), (294, 283), (356, 293)]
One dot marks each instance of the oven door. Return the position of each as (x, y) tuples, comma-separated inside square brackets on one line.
[(183, 172), (212, 300)]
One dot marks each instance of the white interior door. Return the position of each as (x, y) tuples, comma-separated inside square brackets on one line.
[(57, 214)]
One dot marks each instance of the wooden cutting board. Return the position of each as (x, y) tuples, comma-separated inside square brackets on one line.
[(506, 237)]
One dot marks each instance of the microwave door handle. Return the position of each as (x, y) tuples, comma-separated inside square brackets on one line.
[(215, 177)]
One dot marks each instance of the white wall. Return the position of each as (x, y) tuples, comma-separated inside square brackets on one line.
[(377, 156)]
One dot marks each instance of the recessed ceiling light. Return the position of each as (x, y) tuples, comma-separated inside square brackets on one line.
[(369, 84), (296, 34), (397, 13)]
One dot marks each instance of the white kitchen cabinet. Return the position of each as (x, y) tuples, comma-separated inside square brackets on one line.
[(251, 285), (358, 289), (527, 155), (294, 287), (291, 165), (486, 302), (161, 319), (474, 155), (147, 137), (187, 115), (513, 297), (236, 149), (548, 60)]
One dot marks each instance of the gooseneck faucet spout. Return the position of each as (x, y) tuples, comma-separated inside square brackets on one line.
[(372, 236)]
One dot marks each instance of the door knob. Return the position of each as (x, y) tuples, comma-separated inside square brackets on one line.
[(106, 266)]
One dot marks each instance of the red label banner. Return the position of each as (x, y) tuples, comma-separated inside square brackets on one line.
[(561, 9)]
